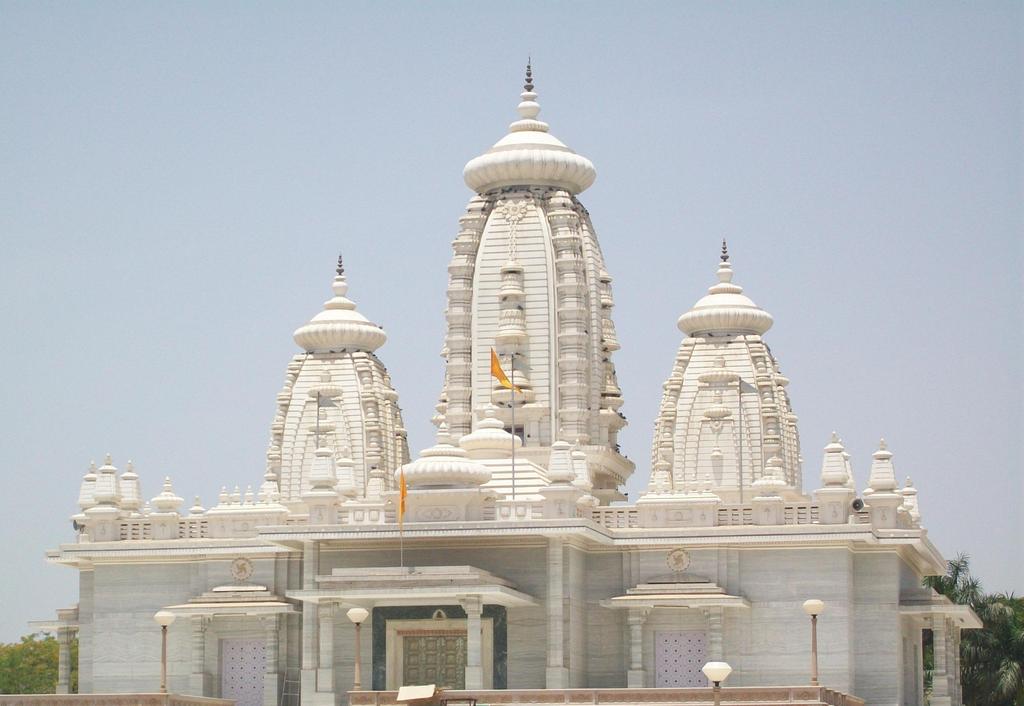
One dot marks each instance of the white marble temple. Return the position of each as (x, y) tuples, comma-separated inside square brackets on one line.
[(496, 558)]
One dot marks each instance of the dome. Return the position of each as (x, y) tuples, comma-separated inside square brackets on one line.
[(339, 326), (445, 465), (725, 309), (529, 155), (490, 440)]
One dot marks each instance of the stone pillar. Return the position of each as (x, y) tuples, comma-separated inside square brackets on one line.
[(64, 660), (271, 628), (636, 677), (474, 671), (197, 677), (325, 671), (715, 620), (310, 613), (557, 676), (957, 686), (940, 673)]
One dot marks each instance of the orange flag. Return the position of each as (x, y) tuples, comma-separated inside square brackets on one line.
[(499, 374), (403, 491)]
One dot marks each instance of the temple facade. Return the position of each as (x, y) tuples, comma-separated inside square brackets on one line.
[(505, 556)]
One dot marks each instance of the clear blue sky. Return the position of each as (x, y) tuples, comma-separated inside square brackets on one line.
[(177, 179)]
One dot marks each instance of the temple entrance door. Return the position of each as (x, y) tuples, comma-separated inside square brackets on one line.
[(678, 657), (434, 657), (241, 671)]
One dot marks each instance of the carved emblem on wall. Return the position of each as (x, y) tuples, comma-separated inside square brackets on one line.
[(241, 569), (678, 560), (515, 210)]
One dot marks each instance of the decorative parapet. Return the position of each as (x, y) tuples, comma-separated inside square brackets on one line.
[(501, 510), (746, 695), (110, 700)]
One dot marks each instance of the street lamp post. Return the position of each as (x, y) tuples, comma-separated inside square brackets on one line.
[(716, 672), (163, 618), (357, 616), (813, 608)]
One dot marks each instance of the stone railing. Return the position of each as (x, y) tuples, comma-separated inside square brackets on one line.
[(627, 516), (110, 700), (741, 696)]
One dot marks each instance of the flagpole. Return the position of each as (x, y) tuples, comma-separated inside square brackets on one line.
[(402, 491), (512, 364)]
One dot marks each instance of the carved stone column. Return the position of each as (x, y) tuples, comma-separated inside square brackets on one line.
[(325, 671), (557, 675), (636, 677), (64, 660), (197, 677), (957, 686), (715, 620), (271, 628), (310, 614), (474, 671), (940, 674)]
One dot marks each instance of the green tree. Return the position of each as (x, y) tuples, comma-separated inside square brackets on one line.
[(992, 658), (30, 666)]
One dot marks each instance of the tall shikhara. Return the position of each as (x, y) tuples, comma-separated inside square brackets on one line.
[(527, 278)]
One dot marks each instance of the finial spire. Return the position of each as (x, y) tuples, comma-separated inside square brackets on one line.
[(528, 86), (725, 251), (341, 267)]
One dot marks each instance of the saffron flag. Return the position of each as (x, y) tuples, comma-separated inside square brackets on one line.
[(499, 374), (403, 491)]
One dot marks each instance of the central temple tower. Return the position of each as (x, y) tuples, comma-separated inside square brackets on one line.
[(527, 278)]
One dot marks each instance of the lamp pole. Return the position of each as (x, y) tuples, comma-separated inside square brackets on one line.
[(813, 608), (716, 672), (357, 616), (163, 618)]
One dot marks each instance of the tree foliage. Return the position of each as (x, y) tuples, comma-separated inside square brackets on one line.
[(992, 658), (30, 666)]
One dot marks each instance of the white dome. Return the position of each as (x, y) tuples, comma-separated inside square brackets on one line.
[(339, 326), (444, 465), (529, 155), (490, 440), (725, 309)]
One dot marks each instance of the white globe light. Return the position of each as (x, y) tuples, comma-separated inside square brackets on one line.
[(164, 618), (357, 615), (813, 607), (716, 671)]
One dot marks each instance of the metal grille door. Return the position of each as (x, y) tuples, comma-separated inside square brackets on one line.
[(434, 659), (241, 671), (678, 657)]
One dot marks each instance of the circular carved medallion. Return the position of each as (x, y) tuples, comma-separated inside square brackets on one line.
[(678, 560), (241, 569)]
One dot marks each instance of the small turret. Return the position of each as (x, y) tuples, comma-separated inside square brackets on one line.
[(882, 497), (131, 492), (909, 494), (101, 518), (165, 513), (769, 508), (87, 491), (835, 496), (321, 497)]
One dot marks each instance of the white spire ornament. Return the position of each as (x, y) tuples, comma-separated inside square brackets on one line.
[(529, 154), (339, 326)]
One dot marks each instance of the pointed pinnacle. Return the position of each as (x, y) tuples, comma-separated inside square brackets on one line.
[(725, 251), (341, 267), (529, 75)]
